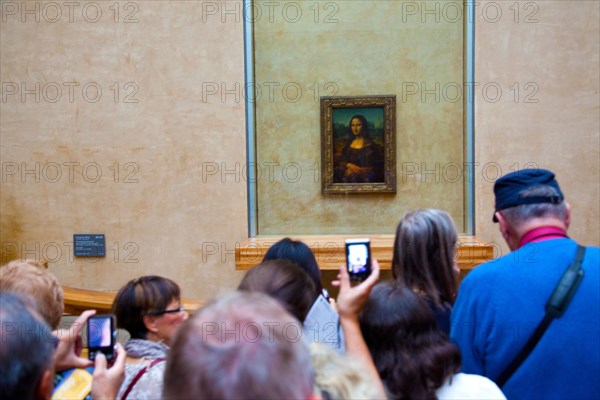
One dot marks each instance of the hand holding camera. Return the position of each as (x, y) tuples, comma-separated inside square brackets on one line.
[(358, 258), (69, 345), (352, 298), (102, 336), (107, 381)]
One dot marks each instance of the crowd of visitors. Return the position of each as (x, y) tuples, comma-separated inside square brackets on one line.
[(525, 325)]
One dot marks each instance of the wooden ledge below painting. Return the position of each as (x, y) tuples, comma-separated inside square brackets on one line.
[(79, 300), (329, 250)]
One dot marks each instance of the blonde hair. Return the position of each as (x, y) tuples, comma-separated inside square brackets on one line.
[(31, 278), (340, 376)]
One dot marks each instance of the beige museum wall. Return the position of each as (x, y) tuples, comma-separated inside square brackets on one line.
[(557, 52), (167, 211), (184, 214)]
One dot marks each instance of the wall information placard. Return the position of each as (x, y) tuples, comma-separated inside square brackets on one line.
[(89, 245)]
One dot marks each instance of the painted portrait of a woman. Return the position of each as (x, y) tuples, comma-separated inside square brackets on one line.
[(361, 159)]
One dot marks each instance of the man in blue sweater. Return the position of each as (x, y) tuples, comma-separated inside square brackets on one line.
[(500, 303)]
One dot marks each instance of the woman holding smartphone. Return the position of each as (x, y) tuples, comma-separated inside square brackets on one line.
[(150, 309)]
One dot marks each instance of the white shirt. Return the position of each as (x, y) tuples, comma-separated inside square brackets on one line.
[(466, 386)]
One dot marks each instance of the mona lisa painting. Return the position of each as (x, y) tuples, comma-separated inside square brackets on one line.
[(358, 144)]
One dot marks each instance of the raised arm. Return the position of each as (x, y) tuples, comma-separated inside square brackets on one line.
[(349, 304)]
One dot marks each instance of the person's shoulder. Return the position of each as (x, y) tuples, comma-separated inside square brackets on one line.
[(557, 251), (487, 276), (508, 265), (473, 379), (469, 386), (487, 270), (526, 254)]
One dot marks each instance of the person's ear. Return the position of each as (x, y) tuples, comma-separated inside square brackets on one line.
[(150, 323), (44, 389), (503, 225), (510, 233), (567, 215)]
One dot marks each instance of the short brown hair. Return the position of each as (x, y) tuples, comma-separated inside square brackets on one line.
[(30, 277), (285, 281), (145, 295)]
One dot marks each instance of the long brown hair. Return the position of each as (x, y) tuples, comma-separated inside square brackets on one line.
[(413, 357), (424, 251)]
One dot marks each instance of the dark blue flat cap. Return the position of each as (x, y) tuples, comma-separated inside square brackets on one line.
[(508, 188)]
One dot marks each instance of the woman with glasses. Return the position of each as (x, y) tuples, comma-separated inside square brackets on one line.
[(150, 309)]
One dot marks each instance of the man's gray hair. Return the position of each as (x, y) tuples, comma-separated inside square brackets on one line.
[(26, 350), (240, 346), (522, 213)]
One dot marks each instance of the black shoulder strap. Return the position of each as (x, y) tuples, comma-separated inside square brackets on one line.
[(555, 306)]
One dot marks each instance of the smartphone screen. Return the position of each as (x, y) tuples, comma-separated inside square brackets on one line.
[(102, 336), (358, 258)]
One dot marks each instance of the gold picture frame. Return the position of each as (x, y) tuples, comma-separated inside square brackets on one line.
[(358, 144)]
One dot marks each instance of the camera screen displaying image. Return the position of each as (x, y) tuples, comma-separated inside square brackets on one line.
[(358, 258), (101, 336)]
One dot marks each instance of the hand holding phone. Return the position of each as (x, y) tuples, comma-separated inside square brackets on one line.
[(358, 258), (107, 380), (102, 336), (70, 345)]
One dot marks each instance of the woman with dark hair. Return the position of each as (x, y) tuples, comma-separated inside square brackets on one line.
[(322, 324), (285, 282), (150, 309), (301, 254), (357, 163), (413, 357), (424, 260)]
